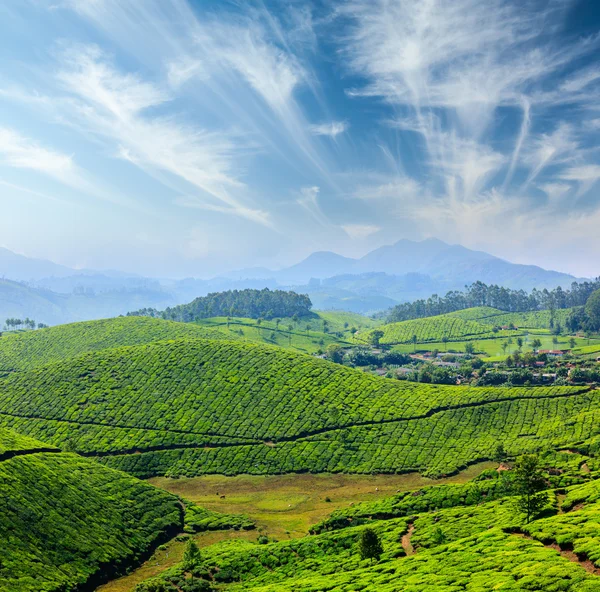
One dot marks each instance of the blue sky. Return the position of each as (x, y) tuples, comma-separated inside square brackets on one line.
[(173, 137)]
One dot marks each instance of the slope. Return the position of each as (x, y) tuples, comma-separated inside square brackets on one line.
[(69, 523), (202, 406), (435, 329), (28, 350)]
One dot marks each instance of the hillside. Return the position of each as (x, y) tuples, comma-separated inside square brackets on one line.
[(19, 351), (205, 406), (69, 522), (435, 329)]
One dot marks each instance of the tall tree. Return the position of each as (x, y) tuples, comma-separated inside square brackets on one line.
[(529, 486), (592, 310), (369, 545)]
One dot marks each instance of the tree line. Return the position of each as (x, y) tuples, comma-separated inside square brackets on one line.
[(27, 323), (250, 303), (505, 299)]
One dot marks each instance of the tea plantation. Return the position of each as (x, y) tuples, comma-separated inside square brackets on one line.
[(67, 520), (193, 406), (472, 538), (435, 329), (21, 351)]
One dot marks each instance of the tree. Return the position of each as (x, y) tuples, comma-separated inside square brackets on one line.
[(520, 342), (375, 337), (536, 344), (592, 310), (572, 343), (413, 340), (504, 346), (192, 558), (335, 353), (500, 453), (529, 486), (353, 331), (445, 342), (369, 545), (469, 348)]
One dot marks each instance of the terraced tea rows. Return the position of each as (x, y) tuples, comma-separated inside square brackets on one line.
[(22, 351), (68, 520), (457, 544), (202, 406), (435, 329)]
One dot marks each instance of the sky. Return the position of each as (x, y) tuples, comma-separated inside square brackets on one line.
[(190, 137)]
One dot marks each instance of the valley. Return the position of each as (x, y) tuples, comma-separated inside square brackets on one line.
[(279, 444)]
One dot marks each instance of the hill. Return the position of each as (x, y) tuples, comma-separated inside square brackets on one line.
[(69, 523), (192, 406), (436, 329), (19, 351)]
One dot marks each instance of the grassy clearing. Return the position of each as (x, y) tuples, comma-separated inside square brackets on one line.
[(267, 499), (286, 506)]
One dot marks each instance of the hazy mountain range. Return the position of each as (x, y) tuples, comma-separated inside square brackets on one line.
[(404, 271)]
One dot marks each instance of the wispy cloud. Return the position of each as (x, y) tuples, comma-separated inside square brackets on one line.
[(360, 231), (331, 129), (115, 105), (24, 153)]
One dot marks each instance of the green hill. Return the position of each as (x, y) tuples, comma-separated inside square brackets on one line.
[(204, 406), (435, 329), (19, 351), (67, 521)]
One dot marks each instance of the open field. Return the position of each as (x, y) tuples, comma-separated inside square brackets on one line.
[(306, 334), (283, 506), (286, 506)]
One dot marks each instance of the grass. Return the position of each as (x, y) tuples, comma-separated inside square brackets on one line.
[(492, 348), (265, 499), (286, 506)]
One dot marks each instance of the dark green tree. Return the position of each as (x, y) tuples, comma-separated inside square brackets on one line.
[(369, 545), (500, 454), (192, 558), (592, 310), (375, 337), (529, 486)]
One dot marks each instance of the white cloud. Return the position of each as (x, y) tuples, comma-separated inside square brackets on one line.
[(113, 105), (24, 153), (332, 129), (309, 200), (360, 231)]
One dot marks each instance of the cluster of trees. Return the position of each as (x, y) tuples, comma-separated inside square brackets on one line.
[(586, 318), (26, 323), (480, 294), (363, 356), (254, 304)]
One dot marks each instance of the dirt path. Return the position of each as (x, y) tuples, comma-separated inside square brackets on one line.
[(406, 544), (566, 553)]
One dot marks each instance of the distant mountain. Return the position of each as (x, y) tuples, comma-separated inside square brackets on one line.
[(447, 266), (44, 306), (402, 272), (21, 268)]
